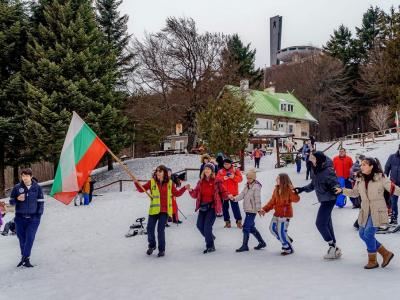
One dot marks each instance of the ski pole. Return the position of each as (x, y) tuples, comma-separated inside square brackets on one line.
[(182, 213)]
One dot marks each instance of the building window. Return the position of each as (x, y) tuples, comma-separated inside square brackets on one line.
[(286, 106), (268, 124), (291, 128), (304, 134), (257, 122)]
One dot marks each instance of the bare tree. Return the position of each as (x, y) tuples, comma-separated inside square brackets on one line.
[(379, 116), (182, 66), (320, 83)]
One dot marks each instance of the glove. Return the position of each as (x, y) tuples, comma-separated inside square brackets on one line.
[(298, 190)]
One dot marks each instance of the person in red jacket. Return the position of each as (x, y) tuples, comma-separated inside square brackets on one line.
[(230, 177), (342, 165), (208, 193), (257, 154)]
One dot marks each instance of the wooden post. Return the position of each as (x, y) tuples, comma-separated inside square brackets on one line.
[(278, 163), (120, 186), (129, 172)]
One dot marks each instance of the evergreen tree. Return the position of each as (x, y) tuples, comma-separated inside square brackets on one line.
[(224, 125), (341, 45), (242, 58), (372, 31), (69, 68), (114, 28), (13, 118)]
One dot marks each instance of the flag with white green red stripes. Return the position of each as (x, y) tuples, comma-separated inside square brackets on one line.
[(81, 152)]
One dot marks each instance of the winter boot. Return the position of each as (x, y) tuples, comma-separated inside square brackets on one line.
[(386, 255), (27, 263), (21, 262), (208, 250), (161, 254), (150, 250), (333, 253), (372, 263), (287, 251), (239, 224), (261, 243), (393, 221), (227, 224), (245, 246)]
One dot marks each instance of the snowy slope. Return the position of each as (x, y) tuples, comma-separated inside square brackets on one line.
[(81, 253)]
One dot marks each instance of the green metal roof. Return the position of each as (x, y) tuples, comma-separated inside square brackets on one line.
[(268, 103)]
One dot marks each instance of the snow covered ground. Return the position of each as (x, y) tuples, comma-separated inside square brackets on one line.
[(81, 252)]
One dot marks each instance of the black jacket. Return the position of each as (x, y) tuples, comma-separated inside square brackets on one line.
[(324, 182)]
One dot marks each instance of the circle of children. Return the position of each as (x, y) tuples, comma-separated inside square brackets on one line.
[(217, 190)]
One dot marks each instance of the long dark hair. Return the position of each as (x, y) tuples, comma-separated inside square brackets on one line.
[(164, 169), (376, 166)]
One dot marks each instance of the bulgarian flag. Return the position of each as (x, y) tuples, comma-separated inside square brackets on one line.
[(81, 152)]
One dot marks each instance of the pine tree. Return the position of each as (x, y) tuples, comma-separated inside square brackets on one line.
[(114, 28), (341, 45), (69, 68), (224, 125), (13, 118), (242, 59)]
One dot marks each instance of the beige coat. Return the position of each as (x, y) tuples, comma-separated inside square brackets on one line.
[(372, 200), (251, 196)]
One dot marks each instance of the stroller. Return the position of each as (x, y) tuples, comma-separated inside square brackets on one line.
[(137, 228)]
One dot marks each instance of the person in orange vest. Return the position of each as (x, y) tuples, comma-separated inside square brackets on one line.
[(231, 177), (257, 154), (86, 191)]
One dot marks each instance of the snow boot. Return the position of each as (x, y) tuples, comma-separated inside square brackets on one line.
[(372, 263), (386, 255), (286, 251), (27, 263), (261, 243), (150, 250), (239, 224), (244, 246), (333, 253), (208, 250), (227, 224), (393, 221), (161, 254), (21, 262)]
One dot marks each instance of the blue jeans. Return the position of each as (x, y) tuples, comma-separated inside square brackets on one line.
[(26, 232), (298, 166), (235, 209), (393, 204), (249, 225), (151, 228), (205, 222), (279, 228), (324, 221), (367, 234)]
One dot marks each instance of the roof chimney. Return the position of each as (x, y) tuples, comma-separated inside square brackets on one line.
[(244, 86), (270, 89)]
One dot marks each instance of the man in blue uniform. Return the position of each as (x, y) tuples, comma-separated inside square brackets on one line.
[(27, 196)]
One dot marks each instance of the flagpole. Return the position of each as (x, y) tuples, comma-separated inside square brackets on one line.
[(129, 172)]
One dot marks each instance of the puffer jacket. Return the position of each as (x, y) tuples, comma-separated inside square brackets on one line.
[(281, 205), (220, 193), (231, 185), (372, 199), (342, 166), (34, 199), (392, 168), (324, 182), (251, 196)]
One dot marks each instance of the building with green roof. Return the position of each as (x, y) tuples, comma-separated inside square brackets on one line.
[(278, 114)]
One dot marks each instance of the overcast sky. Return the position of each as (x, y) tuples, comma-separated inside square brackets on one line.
[(305, 22)]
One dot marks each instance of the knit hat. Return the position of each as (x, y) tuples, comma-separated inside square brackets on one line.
[(251, 174), (228, 161), (210, 166), (361, 157)]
